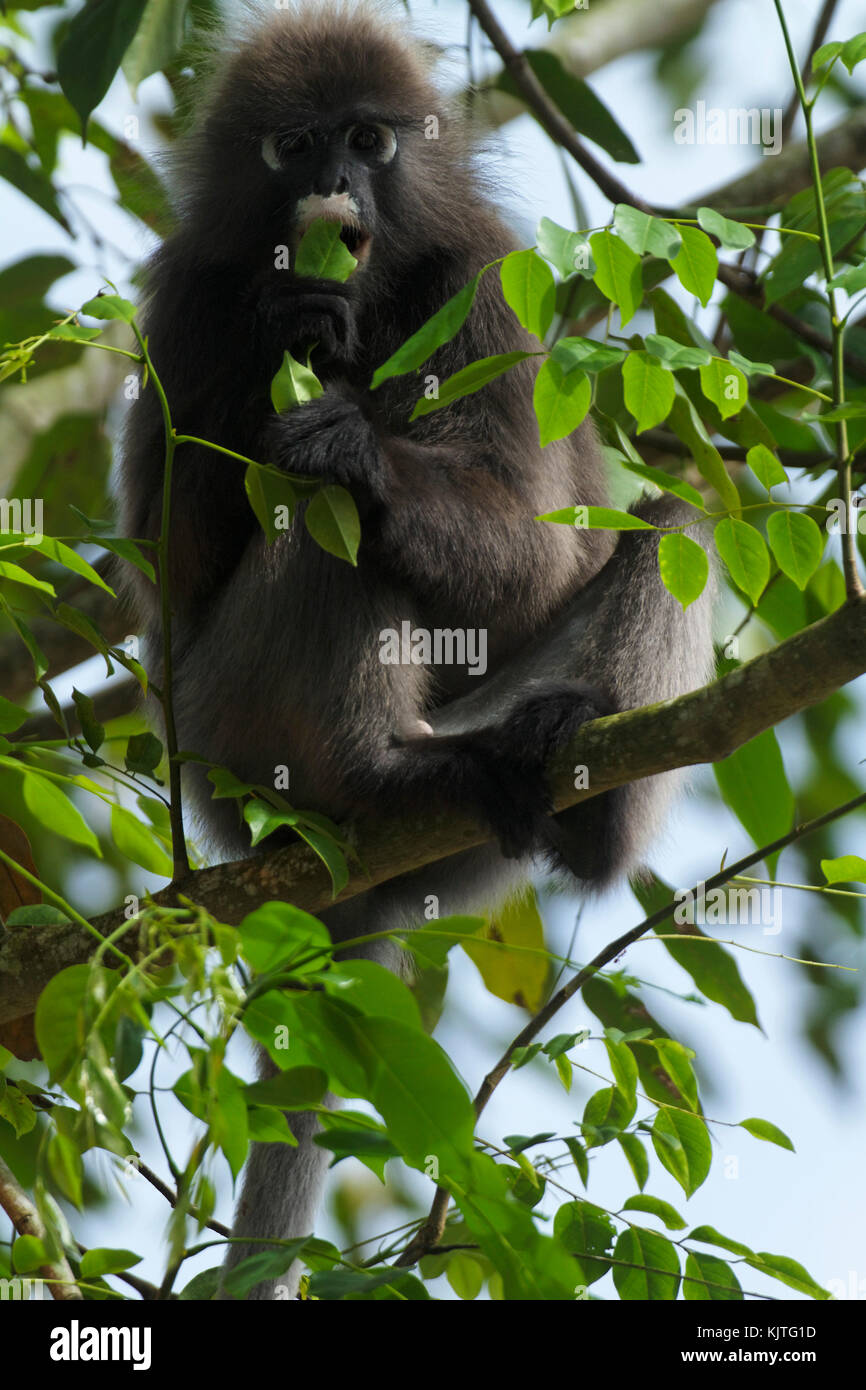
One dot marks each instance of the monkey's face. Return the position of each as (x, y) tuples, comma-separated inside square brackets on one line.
[(334, 172)]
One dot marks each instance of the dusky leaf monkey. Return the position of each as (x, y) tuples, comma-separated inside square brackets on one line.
[(322, 112)]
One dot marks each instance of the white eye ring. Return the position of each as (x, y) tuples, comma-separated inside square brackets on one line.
[(269, 153), (387, 139)]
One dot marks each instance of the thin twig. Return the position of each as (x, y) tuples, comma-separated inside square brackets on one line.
[(430, 1232), (547, 113)]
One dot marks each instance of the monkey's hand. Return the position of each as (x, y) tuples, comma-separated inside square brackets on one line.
[(303, 313), (511, 758), (331, 438)]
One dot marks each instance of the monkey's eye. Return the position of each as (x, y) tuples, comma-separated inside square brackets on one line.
[(378, 140), (278, 149)]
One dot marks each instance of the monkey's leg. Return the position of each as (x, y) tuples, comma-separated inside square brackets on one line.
[(627, 635)]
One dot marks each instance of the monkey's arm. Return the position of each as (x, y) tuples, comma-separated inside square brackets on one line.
[(452, 515)]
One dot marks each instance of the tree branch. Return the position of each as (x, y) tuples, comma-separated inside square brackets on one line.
[(27, 1222), (590, 39), (703, 726)]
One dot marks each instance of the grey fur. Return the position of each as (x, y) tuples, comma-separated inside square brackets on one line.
[(276, 648)]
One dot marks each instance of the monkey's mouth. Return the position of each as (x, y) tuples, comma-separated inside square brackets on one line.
[(357, 240), (337, 207)]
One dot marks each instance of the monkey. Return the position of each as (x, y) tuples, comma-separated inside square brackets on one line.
[(323, 112)]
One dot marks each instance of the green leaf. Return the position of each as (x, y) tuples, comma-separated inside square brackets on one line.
[(763, 1129), (712, 968), (797, 543), (710, 1236), (683, 566), (854, 51), (675, 355), (636, 1155), (587, 1232), (138, 842), (598, 519), (110, 306), (605, 1114), (850, 410), (93, 731), (90, 54), (744, 552), (567, 251), (276, 931), (682, 1145), (439, 329), (649, 389), (617, 273), (323, 844), (103, 1261), (587, 353), (561, 400), (676, 1061), (850, 868), (528, 288), (37, 915), (467, 381), (696, 263), (750, 368), (372, 989), (28, 1253), (66, 1168), (824, 54), (332, 520), (577, 102), (663, 1210), (322, 254), (623, 1066), (11, 716), (465, 1275), (665, 481), (294, 385), (788, 1272), (14, 574), (143, 754), (765, 466), (299, 1088), (724, 385), (203, 1287), (645, 234), (753, 783), (687, 424), (733, 235), (272, 495), (47, 803), (649, 1267), (267, 1264), (159, 38), (718, 1282), (851, 279), (59, 1014)]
